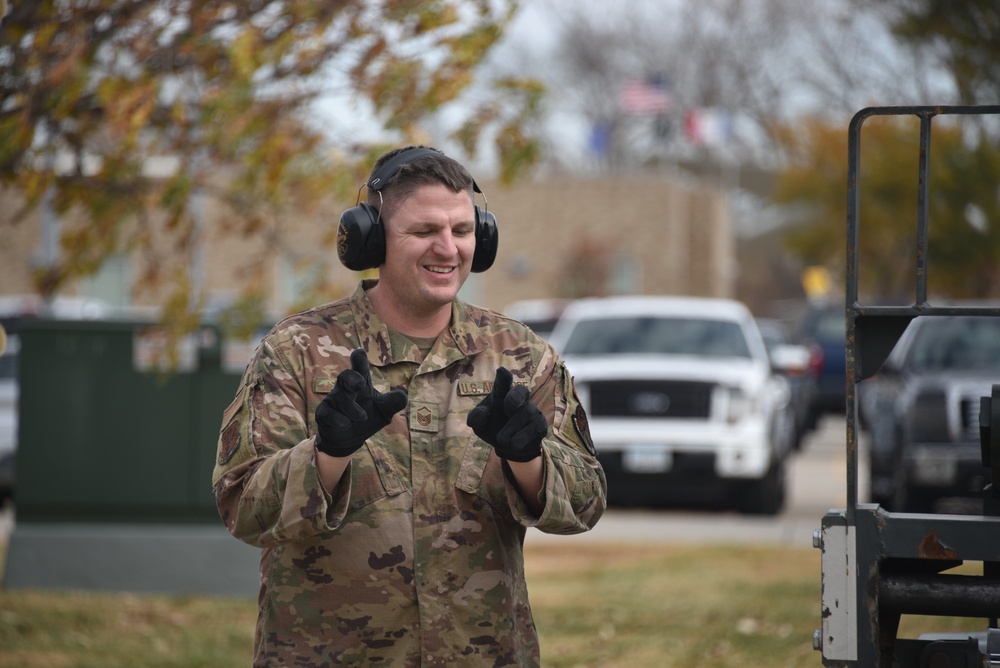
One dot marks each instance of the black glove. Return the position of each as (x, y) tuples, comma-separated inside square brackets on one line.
[(507, 420), (354, 410)]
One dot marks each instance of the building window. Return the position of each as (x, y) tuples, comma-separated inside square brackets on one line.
[(299, 279), (626, 275), (112, 282)]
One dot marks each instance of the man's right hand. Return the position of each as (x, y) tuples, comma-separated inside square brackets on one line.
[(354, 410)]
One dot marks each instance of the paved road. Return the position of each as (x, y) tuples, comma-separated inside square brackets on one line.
[(816, 483)]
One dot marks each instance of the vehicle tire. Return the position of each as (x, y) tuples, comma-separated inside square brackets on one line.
[(765, 496), (7, 464), (798, 435), (885, 464), (905, 499), (812, 418), (902, 497), (883, 486)]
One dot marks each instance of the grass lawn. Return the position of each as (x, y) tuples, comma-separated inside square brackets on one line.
[(595, 605)]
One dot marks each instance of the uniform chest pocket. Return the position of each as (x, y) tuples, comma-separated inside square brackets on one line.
[(373, 473), (482, 474)]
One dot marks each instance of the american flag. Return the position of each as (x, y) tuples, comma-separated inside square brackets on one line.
[(644, 96)]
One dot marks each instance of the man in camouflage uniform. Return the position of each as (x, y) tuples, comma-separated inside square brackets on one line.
[(388, 451)]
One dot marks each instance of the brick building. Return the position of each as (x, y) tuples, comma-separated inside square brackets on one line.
[(563, 237)]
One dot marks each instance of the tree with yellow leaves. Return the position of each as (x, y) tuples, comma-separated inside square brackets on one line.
[(963, 205), (216, 95)]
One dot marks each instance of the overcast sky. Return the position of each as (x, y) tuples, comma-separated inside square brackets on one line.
[(531, 41), (529, 38)]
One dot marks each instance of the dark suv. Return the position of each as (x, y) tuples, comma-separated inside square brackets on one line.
[(922, 411), (823, 330)]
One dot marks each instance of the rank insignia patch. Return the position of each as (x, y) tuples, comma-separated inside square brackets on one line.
[(424, 416)]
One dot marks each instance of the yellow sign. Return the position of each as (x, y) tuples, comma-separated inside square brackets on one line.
[(816, 282), (3, 339)]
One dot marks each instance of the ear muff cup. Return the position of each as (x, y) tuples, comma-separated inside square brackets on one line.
[(361, 238), (487, 241)]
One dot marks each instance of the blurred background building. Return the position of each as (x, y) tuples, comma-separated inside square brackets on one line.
[(559, 238)]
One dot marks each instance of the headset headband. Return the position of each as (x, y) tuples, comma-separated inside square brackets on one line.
[(389, 169)]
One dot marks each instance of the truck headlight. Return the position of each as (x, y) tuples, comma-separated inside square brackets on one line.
[(740, 405)]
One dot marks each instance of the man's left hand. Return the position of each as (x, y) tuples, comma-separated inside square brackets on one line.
[(509, 421)]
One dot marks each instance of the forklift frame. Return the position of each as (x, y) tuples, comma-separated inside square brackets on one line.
[(878, 565)]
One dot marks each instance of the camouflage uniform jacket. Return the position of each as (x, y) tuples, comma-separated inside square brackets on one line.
[(415, 558)]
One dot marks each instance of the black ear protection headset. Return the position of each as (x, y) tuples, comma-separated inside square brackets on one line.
[(361, 235)]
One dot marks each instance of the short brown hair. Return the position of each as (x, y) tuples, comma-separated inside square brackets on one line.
[(425, 170)]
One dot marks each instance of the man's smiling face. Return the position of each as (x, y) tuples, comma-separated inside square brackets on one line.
[(430, 242)]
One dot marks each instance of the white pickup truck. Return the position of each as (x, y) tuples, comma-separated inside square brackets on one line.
[(682, 401)]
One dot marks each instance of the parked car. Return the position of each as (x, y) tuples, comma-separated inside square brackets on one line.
[(681, 399), (792, 361), (922, 408), (541, 315), (823, 330)]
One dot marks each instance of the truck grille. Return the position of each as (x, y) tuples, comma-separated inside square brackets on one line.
[(970, 419), (655, 399)]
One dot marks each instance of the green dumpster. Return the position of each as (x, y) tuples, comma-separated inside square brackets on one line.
[(106, 434), (114, 460)]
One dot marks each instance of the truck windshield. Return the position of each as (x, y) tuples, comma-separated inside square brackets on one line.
[(652, 335), (957, 343)]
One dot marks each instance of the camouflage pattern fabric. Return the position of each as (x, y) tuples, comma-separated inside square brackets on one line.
[(415, 559)]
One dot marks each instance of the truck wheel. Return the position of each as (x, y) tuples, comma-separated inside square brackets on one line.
[(903, 498), (887, 471), (907, 500), (765, 496)]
